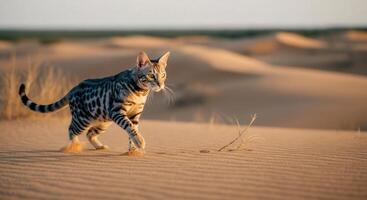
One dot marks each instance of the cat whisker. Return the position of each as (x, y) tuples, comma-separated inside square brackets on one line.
[(150, 97), (166, 96), (169, 85), (168, 92)]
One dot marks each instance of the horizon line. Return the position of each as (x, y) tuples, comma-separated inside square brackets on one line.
[(182, 28)]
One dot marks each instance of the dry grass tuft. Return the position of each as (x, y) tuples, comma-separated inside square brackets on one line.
[(243, 140), (44, 85)]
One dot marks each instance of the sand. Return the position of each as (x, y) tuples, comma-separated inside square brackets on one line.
[(298, 41), (309, 95), (182, 163), (356, 36)]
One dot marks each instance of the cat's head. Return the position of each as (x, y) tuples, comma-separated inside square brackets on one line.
[(152, 72)]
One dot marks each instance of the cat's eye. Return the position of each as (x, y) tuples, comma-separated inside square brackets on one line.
[(150, 76)]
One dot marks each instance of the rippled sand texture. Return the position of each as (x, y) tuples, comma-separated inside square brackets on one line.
[(182, 163)]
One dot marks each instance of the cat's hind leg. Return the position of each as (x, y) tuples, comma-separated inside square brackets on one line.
[(77, 127), (93, 134)]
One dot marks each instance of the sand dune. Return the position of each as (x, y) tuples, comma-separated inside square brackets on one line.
[(331, 53), (298, 41), (280, 164), (233, 62), (343, 53), (290, 49), (268, 44), (4, 45), (226, 60), (297, 93), (356, 36), (74, 49), (260, 46), (140, 41)]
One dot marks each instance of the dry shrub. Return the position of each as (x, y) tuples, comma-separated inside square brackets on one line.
[(242, 139), (44, 85)]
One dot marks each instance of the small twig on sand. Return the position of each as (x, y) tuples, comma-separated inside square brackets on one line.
[(240, 133)]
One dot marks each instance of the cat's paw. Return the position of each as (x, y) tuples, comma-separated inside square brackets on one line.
[(136, 153), (139, 141), (73, 147)]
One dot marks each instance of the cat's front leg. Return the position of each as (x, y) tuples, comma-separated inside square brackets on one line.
[(132, 146), (124, 122), (133, 150), (135, 140), (135, 120)]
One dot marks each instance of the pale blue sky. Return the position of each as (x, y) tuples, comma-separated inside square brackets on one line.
[(147, 14)]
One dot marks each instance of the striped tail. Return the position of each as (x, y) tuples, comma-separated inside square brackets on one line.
[(41, 108)]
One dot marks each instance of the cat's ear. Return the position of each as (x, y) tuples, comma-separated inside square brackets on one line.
[(142, 59), (163, 59)]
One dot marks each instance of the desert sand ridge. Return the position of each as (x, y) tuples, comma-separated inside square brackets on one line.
[(141, 41), (356, 36), (4, 45), (282, 164), (299, 41), (309, 82), (226, 60), (74, 48), (267, 44)]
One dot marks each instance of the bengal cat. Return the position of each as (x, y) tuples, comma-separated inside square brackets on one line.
[(96, 103)]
